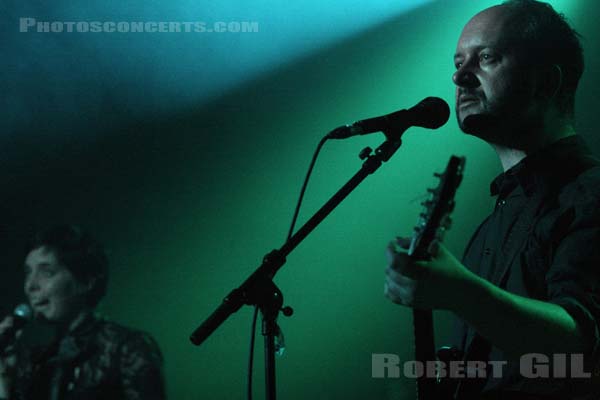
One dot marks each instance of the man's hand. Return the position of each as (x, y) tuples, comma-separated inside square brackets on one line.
[(444, 283), (433, 284), (7, 359)]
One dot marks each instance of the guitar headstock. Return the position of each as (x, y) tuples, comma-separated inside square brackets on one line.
[(435, 218)]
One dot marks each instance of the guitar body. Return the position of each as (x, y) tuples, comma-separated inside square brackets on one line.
[(433, 222)]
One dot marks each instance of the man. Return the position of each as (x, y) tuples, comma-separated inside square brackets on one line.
[(80, 356), (530, 278)]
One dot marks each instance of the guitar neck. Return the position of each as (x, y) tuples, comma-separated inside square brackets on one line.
[(431, 226), (424, 352)]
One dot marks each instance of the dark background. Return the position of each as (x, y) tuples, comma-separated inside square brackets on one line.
[(188, 187)]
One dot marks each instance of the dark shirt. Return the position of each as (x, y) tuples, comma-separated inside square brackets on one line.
[(97, 359), (542, 241)]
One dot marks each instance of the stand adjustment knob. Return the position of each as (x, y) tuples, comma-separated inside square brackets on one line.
[(287, 311), (365, 153)]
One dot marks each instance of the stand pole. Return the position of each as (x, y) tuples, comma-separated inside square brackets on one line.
[(259, 289)]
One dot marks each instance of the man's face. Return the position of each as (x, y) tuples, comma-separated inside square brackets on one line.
[(52, 291), (493, 90)]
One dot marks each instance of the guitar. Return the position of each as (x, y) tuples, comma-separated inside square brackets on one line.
[(433, 222)]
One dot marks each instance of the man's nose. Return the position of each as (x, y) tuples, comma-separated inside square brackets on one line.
[(31, 284), (464, 77)]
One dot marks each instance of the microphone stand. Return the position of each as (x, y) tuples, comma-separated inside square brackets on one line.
[(260, 290)]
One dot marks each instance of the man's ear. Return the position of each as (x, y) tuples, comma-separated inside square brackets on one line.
[(549, 82), (86, 287), (89, 285)]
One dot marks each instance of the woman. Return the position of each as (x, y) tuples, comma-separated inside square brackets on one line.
[(69, 352)]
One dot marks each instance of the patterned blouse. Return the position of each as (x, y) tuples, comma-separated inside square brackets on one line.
[(96, 359)]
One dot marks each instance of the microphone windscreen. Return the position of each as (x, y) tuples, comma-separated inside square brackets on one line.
[(431, 113), (23, 311)]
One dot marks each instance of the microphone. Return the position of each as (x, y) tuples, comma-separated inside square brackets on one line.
[(21, 314), (431, 113)]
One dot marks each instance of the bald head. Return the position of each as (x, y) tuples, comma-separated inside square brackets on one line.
[(493, 18), (490, 26)]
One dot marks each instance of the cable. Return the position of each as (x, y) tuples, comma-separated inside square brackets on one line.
[(310, 168), (251, 356)]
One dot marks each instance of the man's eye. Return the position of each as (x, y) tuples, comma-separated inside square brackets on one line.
[(486, 57)]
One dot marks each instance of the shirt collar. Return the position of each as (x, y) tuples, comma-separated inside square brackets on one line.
[(555, 164)]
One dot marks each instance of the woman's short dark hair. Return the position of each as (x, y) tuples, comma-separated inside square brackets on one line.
[(547, 39), (79, 252)]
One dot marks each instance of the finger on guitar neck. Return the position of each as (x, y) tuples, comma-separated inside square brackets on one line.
[(403, 242)]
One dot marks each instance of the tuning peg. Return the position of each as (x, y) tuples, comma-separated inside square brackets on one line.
[(440, 232), (447, 222), (451, 206)]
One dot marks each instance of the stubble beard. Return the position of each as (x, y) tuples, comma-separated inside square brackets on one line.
[(494, 124)]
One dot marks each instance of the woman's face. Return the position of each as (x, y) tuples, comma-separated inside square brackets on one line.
[(52, 291)]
